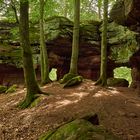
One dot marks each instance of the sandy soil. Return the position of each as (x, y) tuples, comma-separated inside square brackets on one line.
[(118, 110)]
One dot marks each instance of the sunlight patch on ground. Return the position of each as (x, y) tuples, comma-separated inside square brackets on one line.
[(46, 86), (114, 91), (79, 94), (138, 105), (17, 92), (64, 103), (10, 103), (98, 94), (89, 87), (25, 114), (77, 97), (50, 85), (26, 117), (21, 91), (111, 92)]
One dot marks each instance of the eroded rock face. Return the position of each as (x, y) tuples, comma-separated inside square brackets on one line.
[(130, 16), (10, 75), (126, 12), (135, 71), (59, 46)]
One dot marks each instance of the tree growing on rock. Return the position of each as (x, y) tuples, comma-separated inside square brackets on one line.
[(72, 77)]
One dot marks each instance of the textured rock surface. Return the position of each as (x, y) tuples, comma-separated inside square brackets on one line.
[(58, 34), (117, 82), (126, 12), (79, 129)]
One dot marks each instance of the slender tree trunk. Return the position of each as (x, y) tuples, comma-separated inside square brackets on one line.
[(44, 56), (99, 5), (75, 43), (99, 12), (29, 73), (65, 8), (103, 74), (15, 11)]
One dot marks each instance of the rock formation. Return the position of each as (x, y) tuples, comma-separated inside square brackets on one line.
[(122, 43), (126, 12), (130, 16)]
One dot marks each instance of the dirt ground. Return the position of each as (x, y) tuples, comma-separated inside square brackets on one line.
[(118, 110)]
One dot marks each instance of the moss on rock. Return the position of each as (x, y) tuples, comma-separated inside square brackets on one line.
[(58, 26), (3, 89), (123, 42), (73, 81), (70, 79), (11, 89), (117, 82), (35, 102), (79, 129), (67, 77)]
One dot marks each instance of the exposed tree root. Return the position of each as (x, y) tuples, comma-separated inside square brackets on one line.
[(29, 100)]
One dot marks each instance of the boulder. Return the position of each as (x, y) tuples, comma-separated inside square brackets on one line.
[(79, 129), (117, 82), (3, 89)]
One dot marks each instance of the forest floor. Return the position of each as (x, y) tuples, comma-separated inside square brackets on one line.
[(118, 110)]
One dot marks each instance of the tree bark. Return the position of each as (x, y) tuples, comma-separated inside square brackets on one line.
[(65, 8), (15, 11), (135, 73), (43, 50), (103, 73), (99, 5), (29, 73), (75, 43)]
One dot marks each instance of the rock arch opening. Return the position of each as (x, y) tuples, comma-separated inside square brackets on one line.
[(123, 72)]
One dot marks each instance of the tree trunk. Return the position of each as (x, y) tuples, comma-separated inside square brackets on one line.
[(135, 73), (15, 11), (99, 12), (65, 8), (43, 50), (29, 73), (99, 5), (75, 43), (103, 73)]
